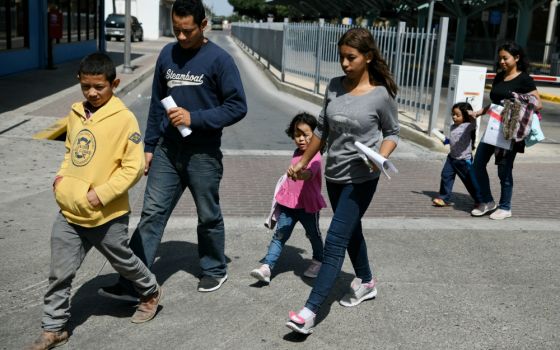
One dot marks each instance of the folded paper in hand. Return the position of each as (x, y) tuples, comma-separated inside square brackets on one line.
[(169, 103), (380, 162)]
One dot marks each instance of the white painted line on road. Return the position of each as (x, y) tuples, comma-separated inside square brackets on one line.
[(38, 284), (396, 223)]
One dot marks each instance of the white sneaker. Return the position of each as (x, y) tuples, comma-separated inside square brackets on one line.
[(359, 292), (500, 214), (262, 273), (313, 269), (483, 208)]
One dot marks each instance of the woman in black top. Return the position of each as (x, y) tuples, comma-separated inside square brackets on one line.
[(512, 76)]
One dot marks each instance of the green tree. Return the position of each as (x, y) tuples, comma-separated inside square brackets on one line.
[(255, 9)]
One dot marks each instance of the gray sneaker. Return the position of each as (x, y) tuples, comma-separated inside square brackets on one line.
[(500, 214), (483, 208), (359, 292)]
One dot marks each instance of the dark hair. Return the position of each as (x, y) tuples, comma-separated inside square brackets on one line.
[(515, 50), (184, 8), (379, 73), (302, 117), (465, 107), (98, 63)]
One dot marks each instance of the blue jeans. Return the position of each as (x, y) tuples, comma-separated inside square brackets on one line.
[(464, 169), (349, 202), (175, 168), (286, 222), (505, 172)]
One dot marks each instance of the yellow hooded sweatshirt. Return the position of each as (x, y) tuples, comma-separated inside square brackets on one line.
[(104, 152)]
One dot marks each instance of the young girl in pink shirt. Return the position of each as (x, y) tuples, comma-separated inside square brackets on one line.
[(298, 200)]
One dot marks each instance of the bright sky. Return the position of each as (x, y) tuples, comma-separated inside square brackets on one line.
[(220, 7)]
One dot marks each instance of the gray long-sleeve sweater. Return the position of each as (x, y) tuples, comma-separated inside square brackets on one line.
[(345, 118)]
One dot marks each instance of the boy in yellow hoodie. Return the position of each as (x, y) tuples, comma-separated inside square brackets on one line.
[(104, 158)]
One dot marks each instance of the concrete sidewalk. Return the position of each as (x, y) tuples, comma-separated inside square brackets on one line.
[(34, 102)]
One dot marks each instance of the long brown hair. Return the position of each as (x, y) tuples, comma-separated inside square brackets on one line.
[(379, 73)]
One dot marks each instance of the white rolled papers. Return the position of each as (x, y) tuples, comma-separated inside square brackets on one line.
[(380, 162), (438, 134), (169, 103)]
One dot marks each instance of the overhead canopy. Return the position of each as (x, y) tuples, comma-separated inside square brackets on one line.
[(345, 8)]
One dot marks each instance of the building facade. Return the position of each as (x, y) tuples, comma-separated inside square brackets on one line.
[(155, 15), (38, 34)]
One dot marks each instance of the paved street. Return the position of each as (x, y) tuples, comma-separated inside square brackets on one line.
[(446, 280)]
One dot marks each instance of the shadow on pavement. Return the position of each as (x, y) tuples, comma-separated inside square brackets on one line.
[(20, 89), (462, 201), (173, 256)]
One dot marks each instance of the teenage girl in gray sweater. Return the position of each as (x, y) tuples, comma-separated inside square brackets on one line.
[(358, 106)]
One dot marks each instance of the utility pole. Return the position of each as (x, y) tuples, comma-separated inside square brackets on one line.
[(550, 29), (127, 68)]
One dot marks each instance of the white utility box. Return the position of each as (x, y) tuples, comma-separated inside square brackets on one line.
[(466, 84)]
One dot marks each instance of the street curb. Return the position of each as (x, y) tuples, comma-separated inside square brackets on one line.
[(550, 97), (58, 128)]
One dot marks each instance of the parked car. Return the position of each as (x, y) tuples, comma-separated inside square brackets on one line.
[(217, 23), (114, 28)]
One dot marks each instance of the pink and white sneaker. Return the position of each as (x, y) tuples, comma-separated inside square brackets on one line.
[(262, 273), (299, 324)]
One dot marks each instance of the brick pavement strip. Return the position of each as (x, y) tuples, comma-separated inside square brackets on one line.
[(248, 184)]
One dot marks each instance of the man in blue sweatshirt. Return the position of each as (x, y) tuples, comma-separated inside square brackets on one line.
[(204, 82)]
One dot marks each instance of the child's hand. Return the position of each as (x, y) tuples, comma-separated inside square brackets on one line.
[(304, 175), (92, 198), (294, 170), (57, 179)]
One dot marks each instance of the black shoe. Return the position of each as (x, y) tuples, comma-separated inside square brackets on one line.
[(210, 283), (119, 292)]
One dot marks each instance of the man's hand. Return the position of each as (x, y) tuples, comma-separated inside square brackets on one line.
[(179, 116), (148, 157), (93, 199)]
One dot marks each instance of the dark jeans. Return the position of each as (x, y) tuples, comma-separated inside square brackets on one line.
[(464, 169), (173, 169), (285, 226), (349, 202), (484, 152)]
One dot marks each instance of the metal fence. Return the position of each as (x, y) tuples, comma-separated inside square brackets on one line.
[(309, 52)]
